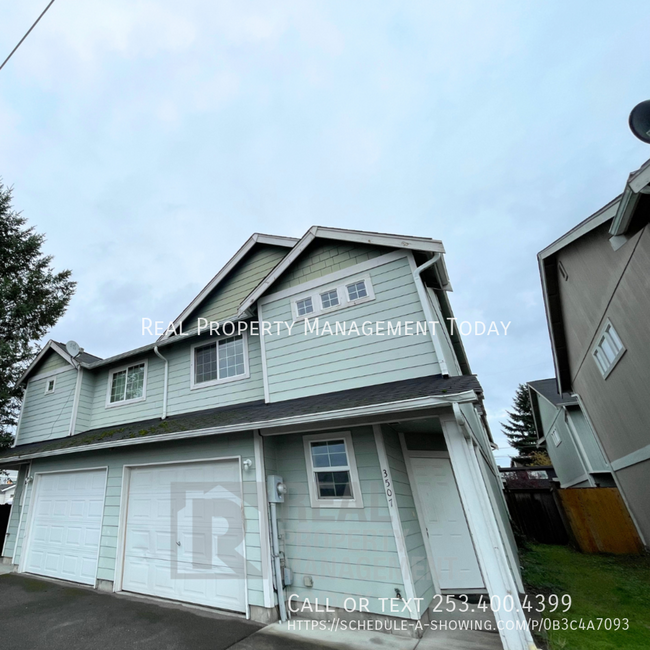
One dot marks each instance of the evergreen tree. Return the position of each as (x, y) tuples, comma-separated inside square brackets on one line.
[(32, 299), (520, 429)]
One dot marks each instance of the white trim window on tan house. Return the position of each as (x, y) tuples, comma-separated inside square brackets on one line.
[(344, 441)]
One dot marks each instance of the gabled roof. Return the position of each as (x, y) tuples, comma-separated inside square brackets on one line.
[(424, 244), (83, 358), (620, 212), (547, 388), (257, 238)]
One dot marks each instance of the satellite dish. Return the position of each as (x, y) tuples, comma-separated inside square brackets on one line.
[(640, 121), (73, 349)]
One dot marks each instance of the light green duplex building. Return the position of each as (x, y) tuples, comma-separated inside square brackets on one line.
[(313, 364)]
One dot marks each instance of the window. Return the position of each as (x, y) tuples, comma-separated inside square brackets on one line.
[(127, 384), (609, 349), (219, 361), (555, 437), (333, 481), (325, 300), (304, 306), (329, 299), (357, 290), (50, 385)]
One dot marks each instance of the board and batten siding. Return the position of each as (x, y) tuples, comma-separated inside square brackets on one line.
[(47, 416), (347, 552), (212, 447), (414, 540), (225, 299), (300, 364)]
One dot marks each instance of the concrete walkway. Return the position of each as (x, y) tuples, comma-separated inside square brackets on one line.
[(280, 635)]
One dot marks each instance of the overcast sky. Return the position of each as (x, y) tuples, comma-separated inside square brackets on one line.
[(149, 140)]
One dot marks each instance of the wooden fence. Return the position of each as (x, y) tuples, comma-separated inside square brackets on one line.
[(599, 521), (536, 514)]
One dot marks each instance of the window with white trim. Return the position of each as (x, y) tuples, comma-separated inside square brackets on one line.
[(333, 476), (127, 384), (304, 306), (609, 349), (357, 290), (218, 361), (555, 437), (50, 385), (327, 299)]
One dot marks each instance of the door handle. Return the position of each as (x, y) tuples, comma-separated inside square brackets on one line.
[(178, 543)]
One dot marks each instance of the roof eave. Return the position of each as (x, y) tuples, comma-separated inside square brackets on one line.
[(468, 396), (358, 236), (257, 238)]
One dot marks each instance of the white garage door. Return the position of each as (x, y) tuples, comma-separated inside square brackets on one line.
[(184, 534), (66, 525)]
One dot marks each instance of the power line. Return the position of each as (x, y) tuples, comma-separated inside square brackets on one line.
[(26, 35)]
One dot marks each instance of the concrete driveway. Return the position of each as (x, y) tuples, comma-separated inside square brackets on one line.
[(44, 615), (40, 615)]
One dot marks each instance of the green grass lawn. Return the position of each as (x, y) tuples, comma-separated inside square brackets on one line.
[(601, 586)]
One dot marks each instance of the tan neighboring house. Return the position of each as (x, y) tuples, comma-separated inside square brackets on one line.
[(596, 284)]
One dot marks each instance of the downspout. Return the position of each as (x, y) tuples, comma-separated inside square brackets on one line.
[(166, 362), (428, 311), (75, 402)]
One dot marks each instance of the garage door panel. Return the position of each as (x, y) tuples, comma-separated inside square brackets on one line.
[(66, 525), (184, 534)]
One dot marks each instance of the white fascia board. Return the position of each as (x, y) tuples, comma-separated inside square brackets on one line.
[(381, 239), (604, 214), (356, 236), (284, 264), (641, 178), (257, 238), (329, 416), (50, 345)]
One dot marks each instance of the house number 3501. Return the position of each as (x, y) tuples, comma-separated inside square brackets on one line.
[(389, 488)]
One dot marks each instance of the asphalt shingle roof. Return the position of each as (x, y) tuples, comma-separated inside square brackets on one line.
[(548, 388), (258, 412)]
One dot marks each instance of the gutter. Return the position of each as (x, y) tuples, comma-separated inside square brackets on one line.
[(165, 382), (374, 409), (428, 310)]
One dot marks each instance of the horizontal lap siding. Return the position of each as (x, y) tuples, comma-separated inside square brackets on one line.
[(306, 364), (47, 416), (86, 399), (348, 553), (417, 554), (212, 447), (151, 407), (226, 298), (183, 399)]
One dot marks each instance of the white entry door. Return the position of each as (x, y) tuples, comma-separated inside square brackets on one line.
[(185, 535), (451, 544), (63, 541)]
